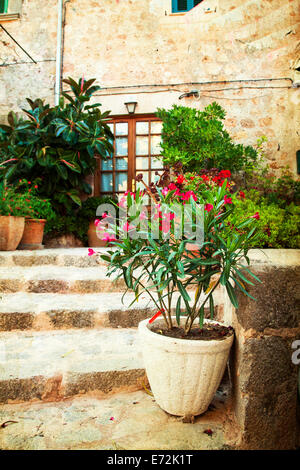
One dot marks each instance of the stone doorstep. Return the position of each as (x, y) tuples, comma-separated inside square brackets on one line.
[(125, 421), (27, 311), (55, 365)]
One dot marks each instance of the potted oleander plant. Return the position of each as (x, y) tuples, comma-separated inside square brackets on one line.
[(185, 352)]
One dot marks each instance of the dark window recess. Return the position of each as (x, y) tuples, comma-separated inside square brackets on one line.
[(179, 6)]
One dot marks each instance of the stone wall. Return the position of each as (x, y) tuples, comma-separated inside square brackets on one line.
[(136, 49), (264, 377)]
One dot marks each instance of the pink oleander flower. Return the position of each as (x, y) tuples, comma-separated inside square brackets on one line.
[(165, 226), (172, 186), (255, 216), (108, 238), (122, 202), (208, 207), (165, 191), (227, 199), (170, 216), (143, 215), (97, 221), (127, 227), (91, 252)]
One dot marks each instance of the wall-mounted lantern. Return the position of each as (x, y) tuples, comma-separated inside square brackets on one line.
[(131, 105)]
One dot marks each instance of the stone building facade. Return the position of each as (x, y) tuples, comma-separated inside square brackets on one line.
[(244, 54)]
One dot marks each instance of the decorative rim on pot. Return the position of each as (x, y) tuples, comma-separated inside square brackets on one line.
[(175, 343)]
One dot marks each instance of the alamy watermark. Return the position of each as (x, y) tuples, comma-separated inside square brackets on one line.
[(158, 221), (296, 354)]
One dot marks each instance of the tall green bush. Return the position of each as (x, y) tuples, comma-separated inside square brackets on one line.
[(198, 139), (56, 147)]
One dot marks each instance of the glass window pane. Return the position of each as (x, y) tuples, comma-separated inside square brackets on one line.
[(142, 163), (142, 127), (111, 126), (107, 164), (156, 127), (156, 163), (122, 128), (120, 182), (142, 146), (155, 144), (154, 177), (121, 146), (106, 182), (121, 163)]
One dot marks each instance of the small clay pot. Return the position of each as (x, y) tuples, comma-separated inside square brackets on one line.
[(93, 240), (33, 234)]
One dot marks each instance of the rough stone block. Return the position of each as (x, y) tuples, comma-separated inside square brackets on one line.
[(277, 300)]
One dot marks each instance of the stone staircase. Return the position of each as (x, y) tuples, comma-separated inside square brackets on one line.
[(63, 328)]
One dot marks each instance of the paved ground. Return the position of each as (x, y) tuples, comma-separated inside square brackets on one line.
[(124, 421)]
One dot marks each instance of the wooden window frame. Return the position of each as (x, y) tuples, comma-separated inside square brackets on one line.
[(131, 171)]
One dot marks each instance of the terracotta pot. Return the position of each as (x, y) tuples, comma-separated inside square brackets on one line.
[(93, 240), (183, 374), (33, 234), (11, 231)]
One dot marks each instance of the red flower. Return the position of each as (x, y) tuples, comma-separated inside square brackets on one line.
[(208, 207), (180, 179), (242, 195), (225, 174), (227, 199), (29, 182), (36, 186), (172, 186), (255, 216), (91, 252)]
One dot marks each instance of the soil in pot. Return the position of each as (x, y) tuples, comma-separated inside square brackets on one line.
[(208, 332), (33, 234)]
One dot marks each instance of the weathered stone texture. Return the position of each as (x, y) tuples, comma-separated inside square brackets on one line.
[(265, 379), (125, 43), (277, 300), (268, 384)]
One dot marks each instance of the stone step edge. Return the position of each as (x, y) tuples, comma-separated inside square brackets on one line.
[(57, 257), (63, 386), (55, 316)]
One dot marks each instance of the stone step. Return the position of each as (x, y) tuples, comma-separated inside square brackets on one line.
[(57, 279), (54, 365), (27, 311), (56, 256)]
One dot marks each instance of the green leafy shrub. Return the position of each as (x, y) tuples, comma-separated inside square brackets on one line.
[(198, 139), (56, 147), (281, 190), (277, 227), (21, 200), (77, 223)]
